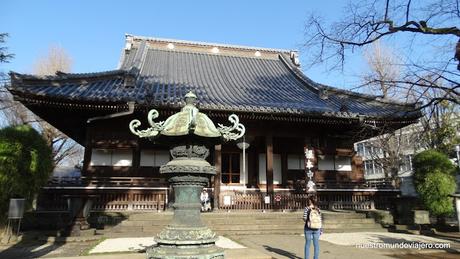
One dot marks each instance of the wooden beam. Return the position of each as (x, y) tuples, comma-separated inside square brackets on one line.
[(217, 177), (269, 159), (88, 150), (284, 168), (252, 166), (136, 159)]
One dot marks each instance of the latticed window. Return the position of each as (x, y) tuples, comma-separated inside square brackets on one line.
[(406, 164), (230, 167), (111, 157), (360, 149), (368, 167), (378, 169)]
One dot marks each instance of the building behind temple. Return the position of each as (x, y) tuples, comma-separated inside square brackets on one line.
[(409, 143), (283, 111)]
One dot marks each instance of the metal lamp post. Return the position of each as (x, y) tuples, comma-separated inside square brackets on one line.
[(457, 150), (457, 195), (189, 133), (243, 145)]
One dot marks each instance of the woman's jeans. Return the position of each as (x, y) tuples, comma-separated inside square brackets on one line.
[(309, 235)]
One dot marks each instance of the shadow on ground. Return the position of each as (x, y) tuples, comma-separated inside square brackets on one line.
[(29, 247), (281, 252)]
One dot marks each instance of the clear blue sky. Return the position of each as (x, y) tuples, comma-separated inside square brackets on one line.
[(92, 32)]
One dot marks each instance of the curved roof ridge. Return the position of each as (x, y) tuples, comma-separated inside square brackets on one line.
[(365, 96), (202, 43), (63, 75), (296, 71), (321, 87)]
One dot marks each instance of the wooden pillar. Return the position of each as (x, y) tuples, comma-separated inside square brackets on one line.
[(136, 158), (88, 148), (284, 168), (252, 167), (217, 177), (269, 159)]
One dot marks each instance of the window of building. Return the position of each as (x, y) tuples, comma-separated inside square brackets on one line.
[(326, 163), (368, 149), (296, 162), (342, 163), (230, 167), (360, 149), (111, 157), (334, 163), (377, 151), (378, 169), (154, 158), (371, 167), (406, 164)]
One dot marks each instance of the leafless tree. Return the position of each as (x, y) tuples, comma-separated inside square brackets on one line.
[(386, 150), (430, 27), (390, 148), (64, 148), (6, 101), (4, 55), (56, 59), (383, 70)]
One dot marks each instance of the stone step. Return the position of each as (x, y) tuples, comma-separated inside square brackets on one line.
[(219, 215), (212, 222), (277, 226), (352, 230), (248, 232), (215, 222), (135, 223), (243, 217), (232, 231), (354, 225), (334, 215), (349, 221), (244, 223)]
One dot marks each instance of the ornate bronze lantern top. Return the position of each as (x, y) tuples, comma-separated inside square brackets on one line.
[(189, 121)]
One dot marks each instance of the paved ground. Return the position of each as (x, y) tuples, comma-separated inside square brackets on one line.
[(277, 246), (128, 244)]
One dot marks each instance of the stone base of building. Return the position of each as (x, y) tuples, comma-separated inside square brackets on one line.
[(182, 252)]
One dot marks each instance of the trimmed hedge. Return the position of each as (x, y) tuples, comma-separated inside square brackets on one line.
[(25, 164), (434, 178)]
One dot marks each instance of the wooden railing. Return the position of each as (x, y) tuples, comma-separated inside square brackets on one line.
[(367, 184), (154, 200), (288, 201), (156, 182), (130, 201), (106, 181)]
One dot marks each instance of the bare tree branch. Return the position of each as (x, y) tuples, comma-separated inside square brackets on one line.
[(369, 21), (63, 148)]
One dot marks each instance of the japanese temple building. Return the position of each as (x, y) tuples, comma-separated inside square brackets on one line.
[(283, 111)]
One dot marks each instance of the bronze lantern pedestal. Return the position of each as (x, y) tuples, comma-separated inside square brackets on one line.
[(189, 133)]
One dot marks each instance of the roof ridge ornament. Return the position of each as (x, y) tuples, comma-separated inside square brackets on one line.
[(233, 132), (188, 121), (294, 58), (153, 131)]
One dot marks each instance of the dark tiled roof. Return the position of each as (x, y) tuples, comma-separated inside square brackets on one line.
[(234, 79)]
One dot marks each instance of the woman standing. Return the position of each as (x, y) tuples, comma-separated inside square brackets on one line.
[(313, 225)]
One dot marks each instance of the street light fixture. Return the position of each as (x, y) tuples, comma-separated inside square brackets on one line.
[(243, 145)]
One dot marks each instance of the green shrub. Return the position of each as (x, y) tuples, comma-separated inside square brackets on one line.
[(434, 178), (25, 164)]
